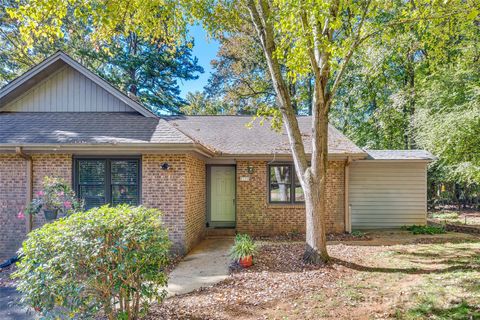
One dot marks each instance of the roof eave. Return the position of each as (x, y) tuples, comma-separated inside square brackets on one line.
[(106, 148), (285, 156)]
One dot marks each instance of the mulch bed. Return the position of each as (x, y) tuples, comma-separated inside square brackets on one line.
[(301, 237), (5, 273), (279, 275)]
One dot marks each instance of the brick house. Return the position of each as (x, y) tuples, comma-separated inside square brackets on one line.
[(59, 119)]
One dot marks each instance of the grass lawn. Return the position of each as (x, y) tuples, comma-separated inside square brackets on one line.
[(393, 275), (470, 217)]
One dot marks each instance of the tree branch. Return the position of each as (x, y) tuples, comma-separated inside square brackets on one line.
[(261, 19), (356, 42)]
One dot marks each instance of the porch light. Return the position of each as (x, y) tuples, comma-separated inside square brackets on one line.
[(250, 169), (165, 166)]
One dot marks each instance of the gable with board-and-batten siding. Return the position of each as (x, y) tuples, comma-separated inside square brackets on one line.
[(67, 90)]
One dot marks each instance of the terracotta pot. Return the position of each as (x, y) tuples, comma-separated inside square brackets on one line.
[(50, 215), (246, 262)]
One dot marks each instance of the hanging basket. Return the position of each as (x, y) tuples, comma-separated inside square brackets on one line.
[(50, 215)]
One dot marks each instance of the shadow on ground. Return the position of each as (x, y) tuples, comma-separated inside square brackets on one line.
[(10, 308)]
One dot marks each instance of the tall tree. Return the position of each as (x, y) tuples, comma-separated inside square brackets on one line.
[(142, 65)]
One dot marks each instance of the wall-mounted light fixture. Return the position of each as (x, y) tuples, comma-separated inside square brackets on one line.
[(250, 169), (165, 166)]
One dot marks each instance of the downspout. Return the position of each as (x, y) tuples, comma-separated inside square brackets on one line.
[(29, 182), (348, 222)]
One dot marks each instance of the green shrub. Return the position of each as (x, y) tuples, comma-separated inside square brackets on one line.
[(243, 247), (358, 233), (424, 229), (108, 260)]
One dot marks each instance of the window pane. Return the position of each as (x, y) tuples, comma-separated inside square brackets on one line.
[(94, 196), (124, 180), (125, 194), (91, 180), (299, 196), (280, 183), (91, 172), (124, 172)]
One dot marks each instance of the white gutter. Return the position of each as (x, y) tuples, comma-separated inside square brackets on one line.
[(133, 148)]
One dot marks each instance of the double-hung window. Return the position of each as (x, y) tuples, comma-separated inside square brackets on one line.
[(284, 186), (107, 180)]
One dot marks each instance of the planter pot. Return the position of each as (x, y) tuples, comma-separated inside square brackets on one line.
[(246, 262), (50, 215)]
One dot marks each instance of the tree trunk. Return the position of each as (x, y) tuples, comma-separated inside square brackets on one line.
[(315, 182)]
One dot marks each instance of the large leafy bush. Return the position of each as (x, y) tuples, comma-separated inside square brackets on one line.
[(108, 260)]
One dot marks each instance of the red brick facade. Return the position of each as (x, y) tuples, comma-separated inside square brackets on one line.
[(13, 193), (13, 187), (256, 216), (195, 213), (179, 192)]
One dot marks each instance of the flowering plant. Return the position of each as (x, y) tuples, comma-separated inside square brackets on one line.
[(55, 196)]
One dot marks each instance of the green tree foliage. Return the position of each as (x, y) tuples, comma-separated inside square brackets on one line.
[(199, 104), (240, 77), (448, 122), (106, 260), (149, 70), (241, 80), (147, 66)]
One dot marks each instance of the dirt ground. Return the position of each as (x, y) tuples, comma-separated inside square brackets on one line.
[(389, 275)]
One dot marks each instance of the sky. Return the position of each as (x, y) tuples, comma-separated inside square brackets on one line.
[(205, 50)]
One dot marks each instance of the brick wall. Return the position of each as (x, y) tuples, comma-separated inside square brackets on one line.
[(178, 192), (13, 188), (52, 165), (165, 190), (195, 201), (258, 217)]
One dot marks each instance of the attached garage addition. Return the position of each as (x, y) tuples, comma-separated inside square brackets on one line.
[(388, 189)]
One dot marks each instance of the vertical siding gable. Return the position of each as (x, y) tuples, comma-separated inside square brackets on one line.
[(67, 90)]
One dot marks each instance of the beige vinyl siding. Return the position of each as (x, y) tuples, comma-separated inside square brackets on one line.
[(67, 90), (387, 194)]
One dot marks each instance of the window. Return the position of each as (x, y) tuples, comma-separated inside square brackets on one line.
[(104, 180), (284, 186)]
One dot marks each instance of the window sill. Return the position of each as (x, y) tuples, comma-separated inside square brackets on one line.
[(285, 205)]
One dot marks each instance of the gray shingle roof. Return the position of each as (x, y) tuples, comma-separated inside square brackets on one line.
[(229, 135), (400, 155), (86, 128)]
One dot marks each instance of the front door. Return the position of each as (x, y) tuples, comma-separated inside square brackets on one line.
[(222, 196)]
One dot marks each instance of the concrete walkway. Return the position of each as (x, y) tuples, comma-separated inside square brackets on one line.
[(10, 308), (204, 266)]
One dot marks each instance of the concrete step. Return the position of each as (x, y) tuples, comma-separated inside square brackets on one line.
[(220, 232)]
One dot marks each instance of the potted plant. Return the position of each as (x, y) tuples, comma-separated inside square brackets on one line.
[(56, 198), (243, 250)]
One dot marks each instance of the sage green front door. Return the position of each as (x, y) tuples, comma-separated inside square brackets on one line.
[(222, 196)]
